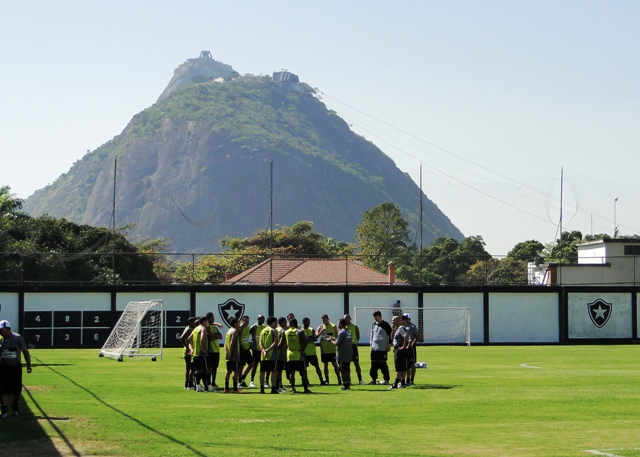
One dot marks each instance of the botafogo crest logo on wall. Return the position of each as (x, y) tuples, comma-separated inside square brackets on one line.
[(230, 308), (599, 312)]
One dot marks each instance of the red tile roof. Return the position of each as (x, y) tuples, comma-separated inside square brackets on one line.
[(310, 271)]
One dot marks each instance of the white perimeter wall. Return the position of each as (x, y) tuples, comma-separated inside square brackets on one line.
[(619, 324), (175, 301), (472, 300), (309, 305), (67, 302), (523, 318), (513, 317), (9, 309), (254, 303)]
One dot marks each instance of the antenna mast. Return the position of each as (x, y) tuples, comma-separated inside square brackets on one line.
[(271, 223), (420, 225), (113, 221)]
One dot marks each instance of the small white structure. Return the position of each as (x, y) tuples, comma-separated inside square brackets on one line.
[(613, 262)]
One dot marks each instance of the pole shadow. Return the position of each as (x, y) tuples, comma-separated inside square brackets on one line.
[(123, 414)]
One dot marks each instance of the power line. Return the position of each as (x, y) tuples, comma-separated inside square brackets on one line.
[(576, 214)]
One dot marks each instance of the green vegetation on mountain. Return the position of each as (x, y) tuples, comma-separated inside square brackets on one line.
[(195, 167)]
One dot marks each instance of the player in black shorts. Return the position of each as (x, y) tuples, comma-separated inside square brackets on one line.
[(414, 334), (187, 352), (400, 345), (12, 346), (310, 351)]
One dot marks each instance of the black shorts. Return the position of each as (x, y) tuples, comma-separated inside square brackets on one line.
[(344, 366), (379, 356), (234, 365), (267, 366), (281, 365), (188, 362), (356, 356), (213, 360), (400, 360), (246, 357), (257, 355), (411, 356), (200, 363), (311, 360), (10, 380), (296, 365), (328, 358)]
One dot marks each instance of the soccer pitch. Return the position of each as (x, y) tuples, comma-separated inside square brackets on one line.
[(470, 401)]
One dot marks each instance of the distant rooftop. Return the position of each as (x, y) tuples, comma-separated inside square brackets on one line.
[(610, 240), (310, 272)]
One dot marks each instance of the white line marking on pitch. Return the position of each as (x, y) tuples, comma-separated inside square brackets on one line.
[(608, 454), (528, 365)]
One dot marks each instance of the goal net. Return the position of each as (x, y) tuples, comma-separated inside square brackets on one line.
[(436, 325), (138, 332)]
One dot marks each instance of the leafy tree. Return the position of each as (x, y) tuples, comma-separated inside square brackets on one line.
[(46, 249), (10, 205), (507, 271), (445, 261), (599, 236), (383, 235), (510, 271), (298, 240), (449, 259), (162, 267), (480, 272), (565, 249), (528, 251), (214, 268)]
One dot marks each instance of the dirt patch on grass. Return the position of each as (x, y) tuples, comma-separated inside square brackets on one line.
[(55, 447), (40, 389)]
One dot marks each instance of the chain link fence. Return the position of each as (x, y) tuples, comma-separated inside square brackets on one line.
[(112, 268)]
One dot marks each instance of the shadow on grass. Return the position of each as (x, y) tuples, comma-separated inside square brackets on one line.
[(414, 387), (433, 386), (51, 420), (122, 413)]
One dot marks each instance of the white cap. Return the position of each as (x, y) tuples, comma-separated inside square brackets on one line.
[(407, 316), (5, 324)]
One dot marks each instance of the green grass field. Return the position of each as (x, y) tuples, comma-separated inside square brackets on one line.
[(471, 401)]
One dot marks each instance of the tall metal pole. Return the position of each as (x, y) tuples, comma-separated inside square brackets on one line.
[(421, 211), (113, 220), (271, 223), (615, 225), (561, 197)]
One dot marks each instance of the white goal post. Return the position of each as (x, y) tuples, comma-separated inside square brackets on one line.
[(446, 325), (138, 332)]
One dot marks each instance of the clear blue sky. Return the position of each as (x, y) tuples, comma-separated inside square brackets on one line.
[(494, 98)]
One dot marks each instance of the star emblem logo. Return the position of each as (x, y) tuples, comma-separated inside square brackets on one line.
[(230, 308), (599, 312)]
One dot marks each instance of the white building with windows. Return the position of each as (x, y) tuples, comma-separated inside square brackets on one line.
[(613, 262)]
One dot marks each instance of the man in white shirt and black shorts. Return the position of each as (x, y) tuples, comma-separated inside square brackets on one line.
[(12, 345)]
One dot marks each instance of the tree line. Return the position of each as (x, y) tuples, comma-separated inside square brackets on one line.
[(49, 250)]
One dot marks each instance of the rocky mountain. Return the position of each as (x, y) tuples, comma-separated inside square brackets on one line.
[(196, 166)]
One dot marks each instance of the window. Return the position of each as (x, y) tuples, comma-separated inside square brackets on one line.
[(632, 249)]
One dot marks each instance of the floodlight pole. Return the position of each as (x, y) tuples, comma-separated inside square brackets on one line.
[(615, 225), (113, 218), (271, 223), (561, 198), (421, 211)]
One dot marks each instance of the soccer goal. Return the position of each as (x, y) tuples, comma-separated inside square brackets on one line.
[(138, 332), (436, 325)]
